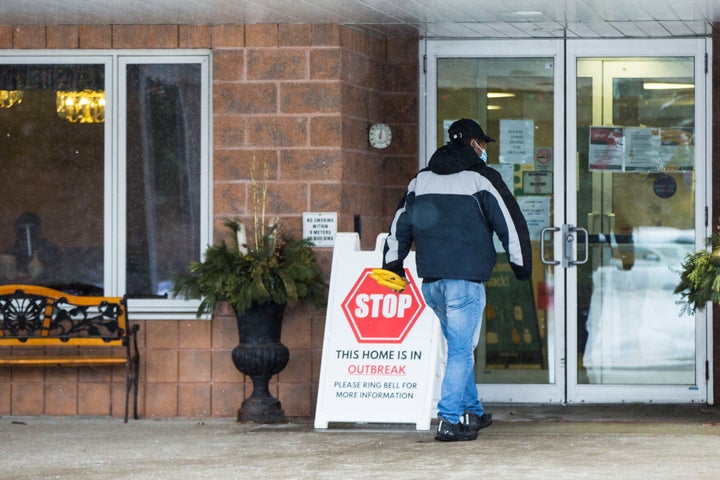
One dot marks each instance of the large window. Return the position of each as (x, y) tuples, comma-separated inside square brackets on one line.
[(106, 177)]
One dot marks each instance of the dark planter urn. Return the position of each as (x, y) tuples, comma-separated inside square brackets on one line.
[(261, 355)]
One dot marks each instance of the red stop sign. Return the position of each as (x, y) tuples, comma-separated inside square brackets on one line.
[(377, 314)]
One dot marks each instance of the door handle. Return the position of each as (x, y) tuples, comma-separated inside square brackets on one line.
[(542, 246), (569, 233), (587, 249)]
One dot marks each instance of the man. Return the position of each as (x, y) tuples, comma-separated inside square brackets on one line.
[(450, 211), (35, 257)]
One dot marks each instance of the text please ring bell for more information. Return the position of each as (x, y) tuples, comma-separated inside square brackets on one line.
[(380, 351)]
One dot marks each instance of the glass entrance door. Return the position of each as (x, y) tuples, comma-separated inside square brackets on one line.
[(515, 91), (636, 128), (610, 175)]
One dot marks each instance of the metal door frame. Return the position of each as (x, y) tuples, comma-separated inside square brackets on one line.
[(430, 51), (701, 392), (565, 389)]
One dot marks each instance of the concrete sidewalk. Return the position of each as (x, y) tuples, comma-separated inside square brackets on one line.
[(525, 442)]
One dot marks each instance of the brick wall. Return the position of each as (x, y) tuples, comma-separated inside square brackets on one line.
[(301, 98)]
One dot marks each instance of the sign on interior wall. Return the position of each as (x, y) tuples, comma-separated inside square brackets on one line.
[(537, 182), (380, 350)]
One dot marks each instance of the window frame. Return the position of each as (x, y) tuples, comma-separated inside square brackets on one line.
[(115, 181)]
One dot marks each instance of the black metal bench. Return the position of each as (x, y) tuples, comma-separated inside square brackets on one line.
[(67, 330)]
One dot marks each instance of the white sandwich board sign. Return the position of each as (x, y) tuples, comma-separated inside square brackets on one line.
[(380, 350)]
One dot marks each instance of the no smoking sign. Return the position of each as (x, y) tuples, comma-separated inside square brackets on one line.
[(377, 314), (543, 158)]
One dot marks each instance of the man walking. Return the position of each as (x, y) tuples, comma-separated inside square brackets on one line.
[(450, 210)]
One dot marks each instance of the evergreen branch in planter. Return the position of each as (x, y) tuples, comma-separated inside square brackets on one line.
[(280, 269), (700, 278), (277, 269)]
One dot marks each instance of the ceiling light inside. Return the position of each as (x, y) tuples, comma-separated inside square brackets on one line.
[(668, 86), (500, 95)]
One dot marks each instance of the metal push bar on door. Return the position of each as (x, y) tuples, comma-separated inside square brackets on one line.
[(568, 234)]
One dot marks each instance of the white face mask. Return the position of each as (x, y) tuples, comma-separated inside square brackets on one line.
[(483, 156)]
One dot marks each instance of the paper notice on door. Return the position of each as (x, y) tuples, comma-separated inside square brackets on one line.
[(517, 141), (642, 147), (677, 148), (508, 174), (607, 148), (536, 211)]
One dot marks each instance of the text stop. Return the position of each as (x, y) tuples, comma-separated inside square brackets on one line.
[(390, 305)]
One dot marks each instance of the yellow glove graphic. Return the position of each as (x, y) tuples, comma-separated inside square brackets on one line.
[(388, 279)]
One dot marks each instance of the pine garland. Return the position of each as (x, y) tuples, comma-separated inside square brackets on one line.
[(700, 277)]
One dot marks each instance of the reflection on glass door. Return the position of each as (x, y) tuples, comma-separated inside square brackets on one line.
[(514, 99), (636, 123)]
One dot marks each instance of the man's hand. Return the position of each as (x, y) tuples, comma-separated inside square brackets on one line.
[(388, 279)]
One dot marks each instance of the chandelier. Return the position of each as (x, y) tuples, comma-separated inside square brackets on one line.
[(86, 106), (8, 98)]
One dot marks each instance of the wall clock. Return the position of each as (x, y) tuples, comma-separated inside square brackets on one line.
[(380, 135)]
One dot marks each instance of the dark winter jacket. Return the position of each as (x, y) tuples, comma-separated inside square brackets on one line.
[(450, 211)]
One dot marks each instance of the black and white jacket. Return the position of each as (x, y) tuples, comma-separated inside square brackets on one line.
[(451, 209)]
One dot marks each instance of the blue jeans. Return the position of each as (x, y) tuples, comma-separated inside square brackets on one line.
[(459, 306)]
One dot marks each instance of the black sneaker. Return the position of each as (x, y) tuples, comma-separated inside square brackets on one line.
[(454, 432), (475, 422)]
